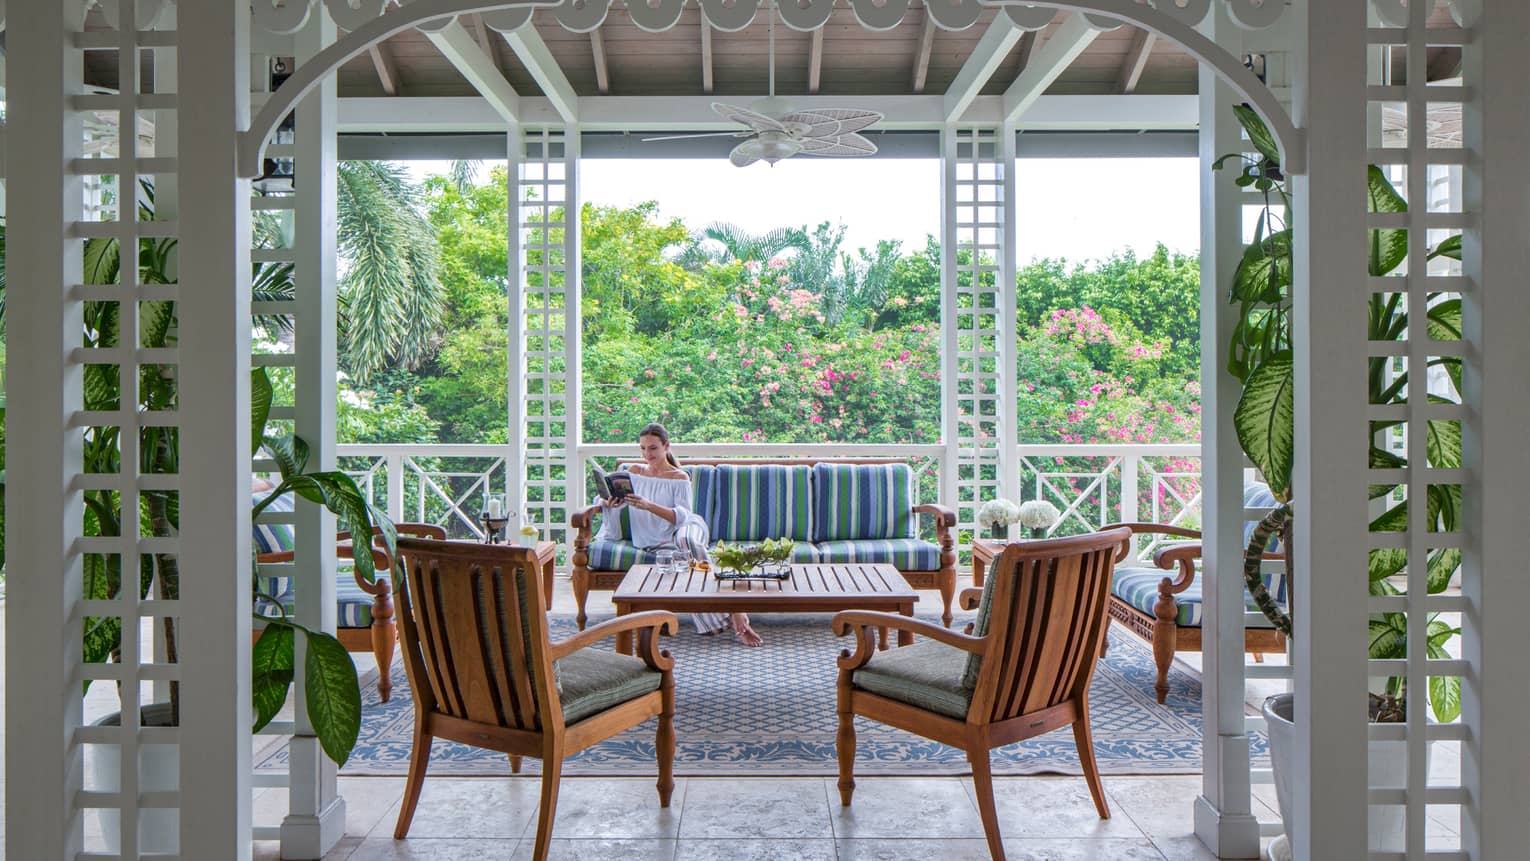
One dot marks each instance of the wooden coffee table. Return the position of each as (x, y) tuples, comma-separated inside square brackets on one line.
[(812, 589), (984, 551)]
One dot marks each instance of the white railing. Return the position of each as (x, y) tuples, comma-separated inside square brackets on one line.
[(1091, 485)]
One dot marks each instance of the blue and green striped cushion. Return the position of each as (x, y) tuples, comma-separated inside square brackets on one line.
[(1138, 587), (272, 537), (905, 554), (1256, 494), (617, 555), (354, 608), (855, 501), (752, 503)]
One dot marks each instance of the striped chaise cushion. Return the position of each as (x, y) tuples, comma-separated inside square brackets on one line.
[(271, 538), (354, 607), (752, 503), (1256, 494), (617, 555), (701, 498), (854, 501), (1138, 587), (905, 554)]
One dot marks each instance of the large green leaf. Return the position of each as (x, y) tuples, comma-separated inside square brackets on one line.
[(101, 261), (1388, 637), (1264, 273), (1444, 507), (332, 694), (1442, 443), (1448, 247), (1388, 247), (338, 492), (290, 454), (261, 395), (1266, 421), (1258, 133), (1385, 562), (1443, 565), (1394, 519), (273, 667), (1444, 320), (1444, 691)]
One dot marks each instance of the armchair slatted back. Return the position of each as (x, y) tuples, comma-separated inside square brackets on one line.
[(474, 628), (1046, 620)]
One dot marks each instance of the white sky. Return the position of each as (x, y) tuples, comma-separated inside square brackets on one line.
[(1079, 209)]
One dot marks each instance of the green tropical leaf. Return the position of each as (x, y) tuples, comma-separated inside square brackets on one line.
[(1266, 421), (1442, 443), (1449, 247), (290, 453), (101, 261), (1444, 320), (1388, 247), (1445, 697), (1444, 507), (338, 492), (1443, 565), (1388, 638), (1264, 273), (261, 396), (1258, 133), (1394, 519), (1386, 562), (273, 667), (332, 694)]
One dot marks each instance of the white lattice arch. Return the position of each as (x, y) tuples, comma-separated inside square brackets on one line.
[(1177, 26)]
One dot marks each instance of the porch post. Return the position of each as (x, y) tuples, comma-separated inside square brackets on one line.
[(1495, 756), (44, 590), (215, 439), (315, 819), (1223, 814), (948, 340), (1009, 336), (515, 298), (1329, 601)]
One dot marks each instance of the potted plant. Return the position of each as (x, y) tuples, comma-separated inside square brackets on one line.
[(996, 515), (1037, 516), (1261, 359)]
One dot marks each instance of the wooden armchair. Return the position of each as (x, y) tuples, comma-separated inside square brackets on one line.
[(364, 615), (1022, 669), (483, 671), (1166, 610)]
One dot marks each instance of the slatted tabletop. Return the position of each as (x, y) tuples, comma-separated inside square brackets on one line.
[(811, 589)]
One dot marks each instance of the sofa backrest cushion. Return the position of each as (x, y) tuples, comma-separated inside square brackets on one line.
[(1256, 494), (856, 501), (272, 537), (701, 497), (755, 502)]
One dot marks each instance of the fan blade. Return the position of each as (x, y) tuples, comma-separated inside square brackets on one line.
[(842, 146), (743, 116), (745, 154), (832, 122), (698, 135)]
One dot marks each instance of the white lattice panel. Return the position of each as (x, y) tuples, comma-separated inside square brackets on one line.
[(975, 234), (548, 230)]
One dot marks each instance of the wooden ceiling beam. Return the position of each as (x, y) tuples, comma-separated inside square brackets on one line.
[(533, 52), (990, 51), (602, 71), (1047, 64), (706, 55), (460, 49), (387, 70), (922, 59), (1135, 61), (815, 62)]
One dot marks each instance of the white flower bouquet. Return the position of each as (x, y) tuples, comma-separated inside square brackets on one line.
[(997, 513), (1038, 516)]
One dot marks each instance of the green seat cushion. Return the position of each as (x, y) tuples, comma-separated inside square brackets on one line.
[(593, 680), (927, 674)]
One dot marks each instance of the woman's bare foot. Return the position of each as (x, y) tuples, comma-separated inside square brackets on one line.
[(743, 633)]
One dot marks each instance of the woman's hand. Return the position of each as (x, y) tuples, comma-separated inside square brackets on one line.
[(639, 502), (614, 502)]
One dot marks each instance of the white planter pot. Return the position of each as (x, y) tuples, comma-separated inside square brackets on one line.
[(159, 768), (1387, 762)]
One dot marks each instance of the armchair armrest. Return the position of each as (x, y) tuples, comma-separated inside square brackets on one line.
[(864, 622), (970, 598), (650, 625), (584, 520), (945, 518), (1181, 556), (1150, 529)]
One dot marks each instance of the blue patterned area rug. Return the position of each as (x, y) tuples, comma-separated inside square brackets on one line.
[(770, 711)]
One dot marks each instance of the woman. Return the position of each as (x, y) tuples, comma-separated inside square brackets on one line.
[(661, 518)]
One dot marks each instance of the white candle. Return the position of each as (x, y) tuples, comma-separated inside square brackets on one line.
[(496, 508)]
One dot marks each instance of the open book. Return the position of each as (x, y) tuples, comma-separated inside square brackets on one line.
[(613, 486)]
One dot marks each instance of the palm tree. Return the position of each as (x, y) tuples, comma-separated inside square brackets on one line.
[(739, 245)]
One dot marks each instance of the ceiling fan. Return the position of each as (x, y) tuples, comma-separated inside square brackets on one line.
[(774, 131)]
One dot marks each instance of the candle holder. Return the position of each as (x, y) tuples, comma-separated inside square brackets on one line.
[(493, 527)]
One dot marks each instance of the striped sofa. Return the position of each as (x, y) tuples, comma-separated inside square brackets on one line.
[(1164, 608), (846, 510)]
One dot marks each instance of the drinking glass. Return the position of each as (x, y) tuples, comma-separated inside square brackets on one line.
[(664, 560)]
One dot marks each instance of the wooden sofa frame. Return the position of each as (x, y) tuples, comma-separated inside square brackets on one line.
[(584, 579), (1161, 629)]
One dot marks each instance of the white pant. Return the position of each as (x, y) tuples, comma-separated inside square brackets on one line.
[(692, 538)]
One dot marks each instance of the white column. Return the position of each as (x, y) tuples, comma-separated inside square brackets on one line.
[(515, 297), (1495, 758), (1223, 814), (215, 439), (573, 328), (315, 820), (1009, 334), (1330, 528), (43, 588), (948, 340)]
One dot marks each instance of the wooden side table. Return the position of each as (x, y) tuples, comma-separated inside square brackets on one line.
[(984, 551)]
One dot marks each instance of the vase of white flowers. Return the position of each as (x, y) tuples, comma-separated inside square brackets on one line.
[(996, 515), (1037, 516)]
